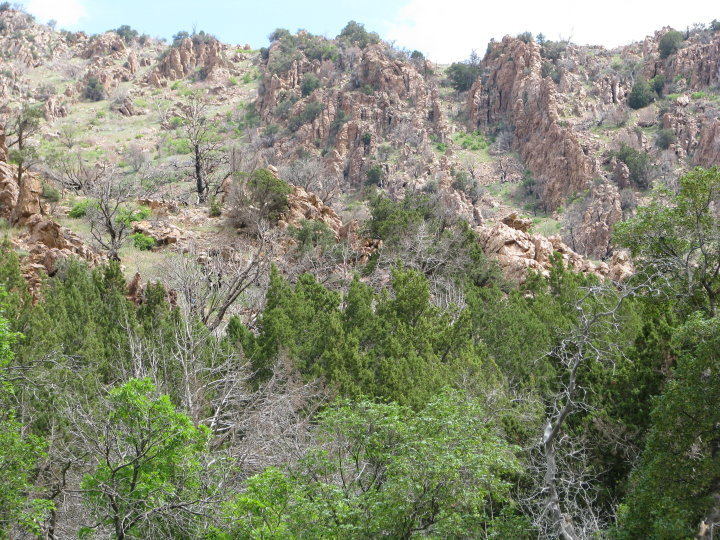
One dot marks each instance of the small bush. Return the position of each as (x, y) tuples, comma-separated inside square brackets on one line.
[(50, 193), (698, 95), (309, 83), (94, 90), (129, 215), (312, 234), (471, 141), (311, 111), (658, 83), (665, 137), (215, 209), (375, 176), (638, 164), (355, 34), (641, 94), (669, 43), (79, 209), (142, 241), (127, 33)]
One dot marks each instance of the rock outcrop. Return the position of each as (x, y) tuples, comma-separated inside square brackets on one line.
[(708, 151), (374, 99), (518, 252), (107, 44), (595, 231), (515, 92), (303, 205), (190, 55), (54, 108)]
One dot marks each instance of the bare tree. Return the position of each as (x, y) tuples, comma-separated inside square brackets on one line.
[(205, 144), (311, 175), (110, 213), (209, 283), (77, 174), (562, 504)]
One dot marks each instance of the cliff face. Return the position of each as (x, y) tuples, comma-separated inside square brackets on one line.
[(514, 91), (364, 99), (190, 55)]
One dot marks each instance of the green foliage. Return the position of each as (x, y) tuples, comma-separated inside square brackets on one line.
[(355, 34), (148, 463), (215, 207), (665, 137), (443, 471), (669, 43), (270, 192), (79, 209), (50, 193), (462, 75), (127, 33), (471, 141), (375, 176), (131, 215), (673, 487), (19, 454), (142, 241), (94, 90), (675, 242), (310, 82), (657, 83), (641, 94), (311, 111), (403, 350), (638, 163), (313, 234)]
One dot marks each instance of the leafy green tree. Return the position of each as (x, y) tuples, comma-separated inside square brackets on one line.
[(310, 82), (462, 75), (673, 487), (19, 454), (354, 33), (641, 94), (386, 471), (669, 43), (146, 461), (22, 126), (127, 33), (638, 163), (675, 242)]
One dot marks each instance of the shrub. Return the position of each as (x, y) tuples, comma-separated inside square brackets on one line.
[(638, 164), (177, 38), (367, 138), (355, 34), (669, 43), (215, 209), (129, 215), (79, 209), (309, 83), (462, 75), (142, 241), (127, 33), (715, 25), (641, 94), (526, 37), (313, 234), (94, 90), (665, 137), (5, 6), (311, 111), (375, 176), (658, 83), (50, 193)]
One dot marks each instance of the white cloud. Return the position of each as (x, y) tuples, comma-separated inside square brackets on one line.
[(65, 12), (447, 30)]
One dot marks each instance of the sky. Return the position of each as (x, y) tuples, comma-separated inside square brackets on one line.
[(444, 30)]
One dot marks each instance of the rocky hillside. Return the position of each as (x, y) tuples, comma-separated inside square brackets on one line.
[(545, 131)]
